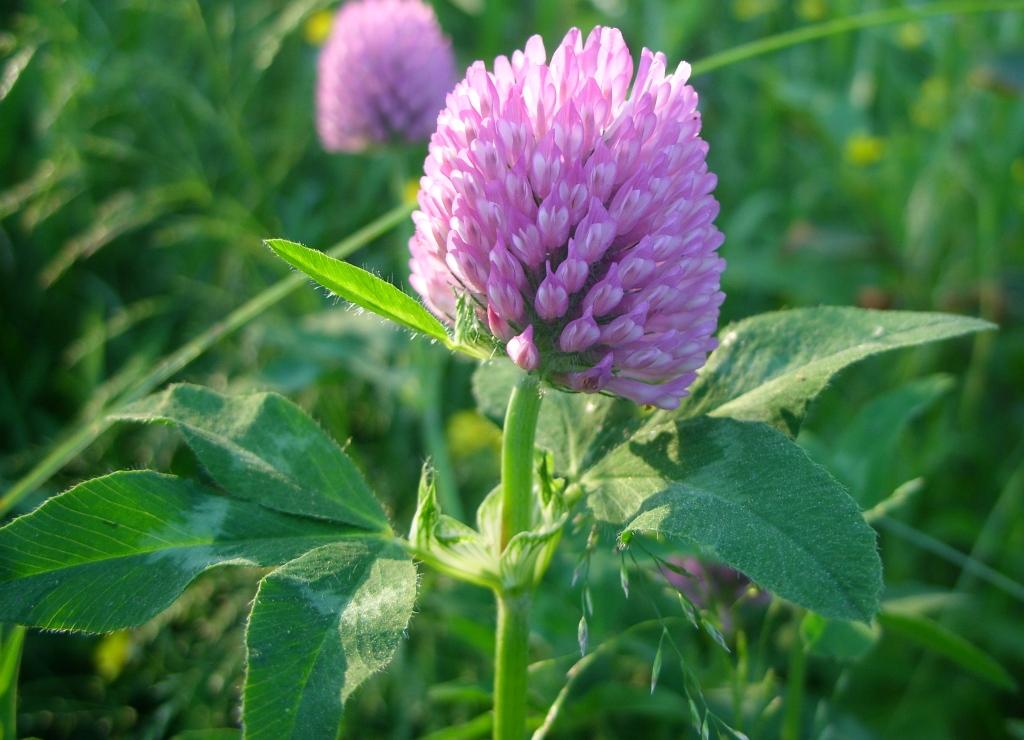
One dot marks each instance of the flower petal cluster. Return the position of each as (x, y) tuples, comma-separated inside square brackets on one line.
[(382, 74), (576, 212)]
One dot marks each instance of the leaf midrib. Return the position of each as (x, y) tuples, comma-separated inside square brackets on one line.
[(185, 546), (264, 466)]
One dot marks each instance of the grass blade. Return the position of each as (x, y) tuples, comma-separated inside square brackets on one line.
[(11, 639), (84, 435), (838, 26)]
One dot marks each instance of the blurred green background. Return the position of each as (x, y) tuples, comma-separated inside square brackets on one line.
[(146, 149)]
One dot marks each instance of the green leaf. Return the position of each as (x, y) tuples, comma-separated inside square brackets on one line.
[(837, 638), (320, 626), (115, 551), (746, 496), (493, 382), (263, 448), (770, 367), (360, 287), (933, 636), (864, 452)]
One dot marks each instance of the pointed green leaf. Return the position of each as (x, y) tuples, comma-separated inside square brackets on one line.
[(656, 668), (320, 626), (749, 497), (360, 287), (263, 448), (770, 367), (862, 456), (115, 551)]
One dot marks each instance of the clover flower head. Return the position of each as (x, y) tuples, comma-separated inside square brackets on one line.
[(575, 212), (382, 74)]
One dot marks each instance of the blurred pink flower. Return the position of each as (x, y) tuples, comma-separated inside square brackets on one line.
[(382, 74), (713, 586), (576, 213)]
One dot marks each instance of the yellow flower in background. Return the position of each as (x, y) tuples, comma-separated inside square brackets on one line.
[(1017, 169), (410, 190), (929, 109), (112, 654), (863, 150), (469, 433), (318, 27), (746, 10), (911, 35), (811, 10)]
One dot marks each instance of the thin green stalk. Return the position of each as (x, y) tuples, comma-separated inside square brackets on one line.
[(431, 363), (11, 639), (580, 666), (85, 434), (513, 631), (792, 720), (839, 26), (517, 458), (967, 564), (510, 664)]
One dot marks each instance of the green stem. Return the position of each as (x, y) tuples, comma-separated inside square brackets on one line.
[(792, 721), (510, 664), (846, 24), (517, 458), (11, 639), (513, 632)]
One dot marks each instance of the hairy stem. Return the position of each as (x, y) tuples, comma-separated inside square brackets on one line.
[(517, 458), (511, 644), (511, 659)]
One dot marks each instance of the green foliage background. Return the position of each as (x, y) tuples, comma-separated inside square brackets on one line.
[(146, 149)]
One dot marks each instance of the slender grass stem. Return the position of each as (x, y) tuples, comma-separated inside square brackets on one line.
[(431, 362), (11, 640), (792, 720), (87, 432), (582, 664), (838, 26), (968, 565)]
